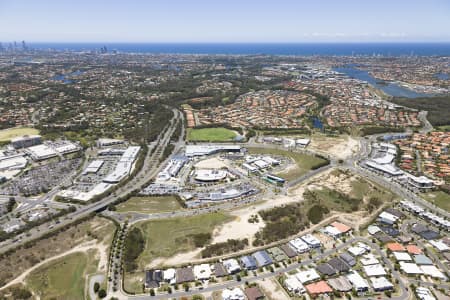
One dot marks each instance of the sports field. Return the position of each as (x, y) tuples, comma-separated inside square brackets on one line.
[(8, 134), (211, 134), (149, 205)]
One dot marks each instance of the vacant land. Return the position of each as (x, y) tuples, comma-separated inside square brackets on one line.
[(303, 162), (97, 229), (165, 238), (340, 147), (440, 199), (211, 134), (149, 205), (63, 278), (8, 134)]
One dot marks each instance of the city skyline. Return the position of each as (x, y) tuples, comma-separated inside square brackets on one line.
[(234, 22)]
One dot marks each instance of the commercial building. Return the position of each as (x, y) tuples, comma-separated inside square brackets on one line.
[(124, 166), (200, 150), (206, 175), (93, 166), (40, 152), (26, 141)]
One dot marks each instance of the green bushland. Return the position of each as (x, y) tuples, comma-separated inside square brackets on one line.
[(219, 249), (287, 220), (133, 247), (438, 107), (210, 134)]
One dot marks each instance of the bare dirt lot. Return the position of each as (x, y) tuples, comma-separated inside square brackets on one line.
[(339, 147)]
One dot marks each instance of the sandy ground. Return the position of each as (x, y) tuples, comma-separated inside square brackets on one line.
[(211, 163), (333, 180), (339, 147), (175, 260), (80, 248), (272, 289)]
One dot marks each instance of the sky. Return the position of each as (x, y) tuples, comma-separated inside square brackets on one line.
[(217, 21)]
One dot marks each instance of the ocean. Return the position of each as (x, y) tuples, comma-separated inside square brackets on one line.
[(305, 49)]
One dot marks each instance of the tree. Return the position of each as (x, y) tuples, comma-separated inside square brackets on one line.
[(96, 287), (102, 293)]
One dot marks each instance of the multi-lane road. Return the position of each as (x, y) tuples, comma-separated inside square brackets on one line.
[(149, 169)]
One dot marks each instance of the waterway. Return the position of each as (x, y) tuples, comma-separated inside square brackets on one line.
[(389, 88), (65, 78)]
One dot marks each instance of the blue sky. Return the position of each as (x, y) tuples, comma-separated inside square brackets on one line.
[(224, 20)]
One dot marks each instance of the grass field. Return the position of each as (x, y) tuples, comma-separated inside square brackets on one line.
[(304, 162), (8, 134), (165, 238), (61, 279), (149, 204), (440, 199), (211, 134)]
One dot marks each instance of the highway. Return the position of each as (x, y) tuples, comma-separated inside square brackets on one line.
[(149, 169)]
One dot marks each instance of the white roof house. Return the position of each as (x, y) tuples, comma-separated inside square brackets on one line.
[(374, 270), (388, 218), (369, 259), (233, 294), (311, 240), (381, 284), (410, 268), (202, 272), (359, 283), (333, 231), (402, 256), (307, 276), (359, 249), (299, 245), (169, 275), (432, 271), (439, 245), (231, 265), (293, 285), (424, 294)]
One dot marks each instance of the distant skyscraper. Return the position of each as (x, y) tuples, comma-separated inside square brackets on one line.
[(24, 46), (1, 47)]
